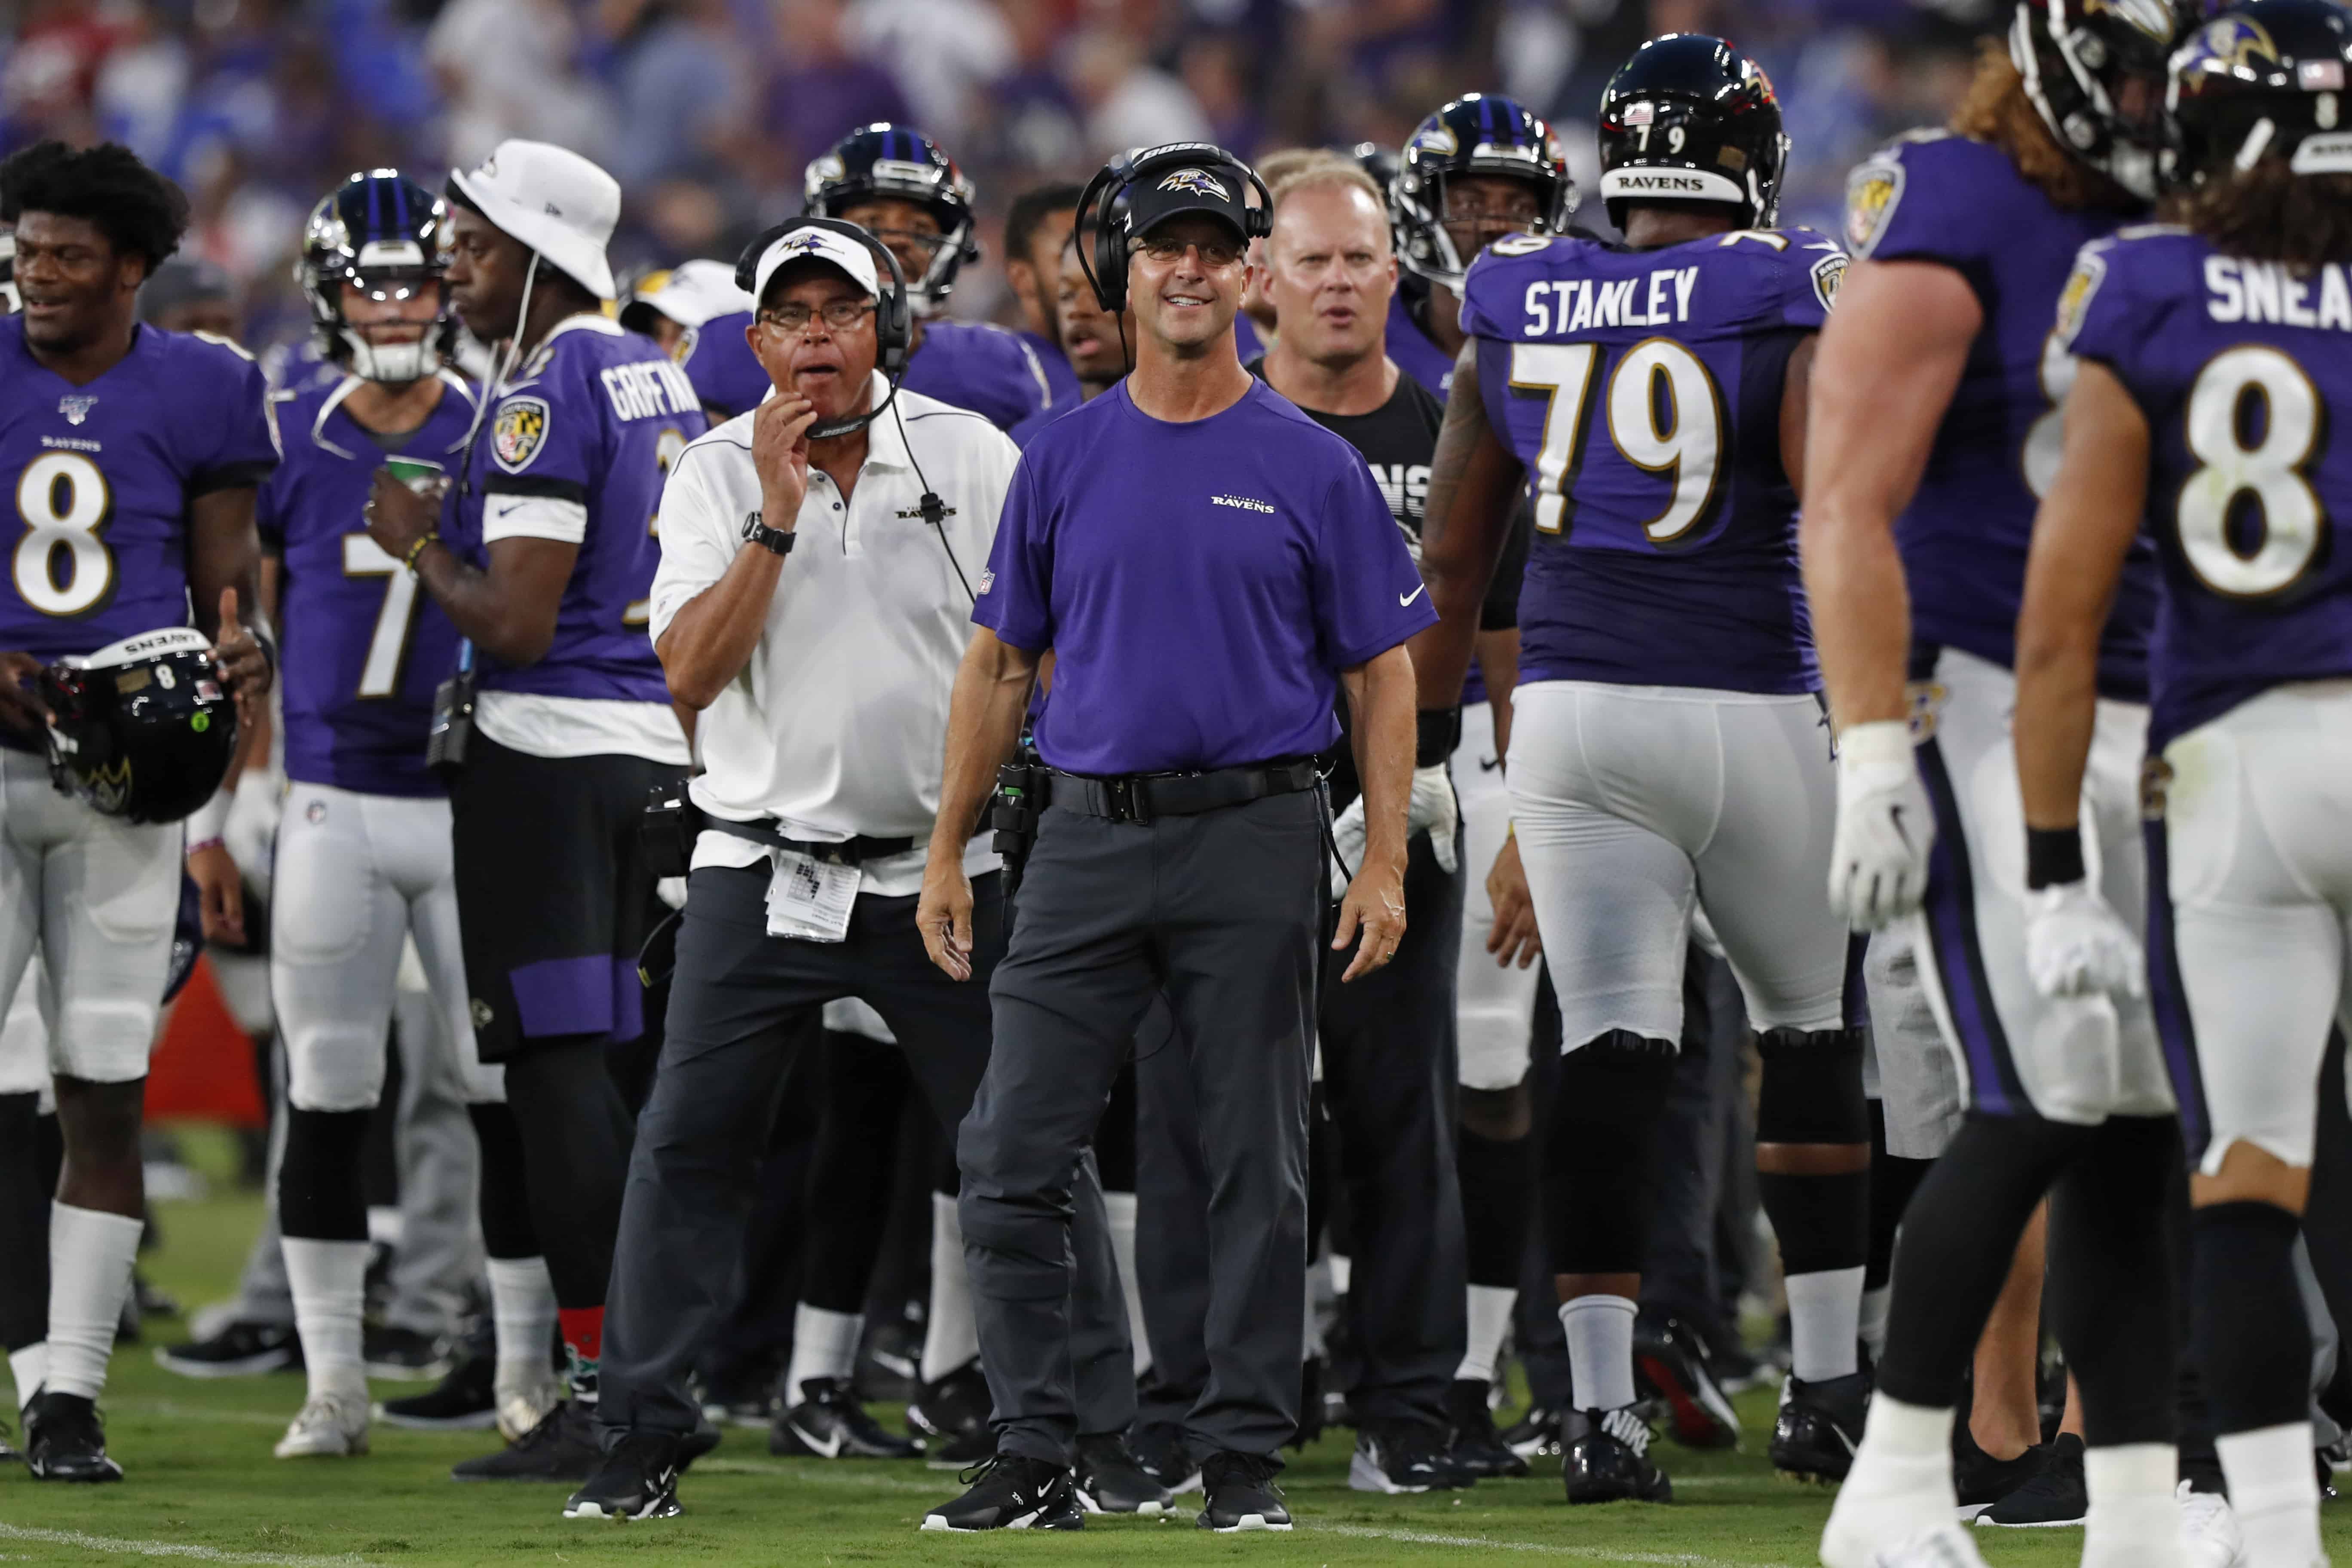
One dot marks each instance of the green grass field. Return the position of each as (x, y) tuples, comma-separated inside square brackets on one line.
[(203, 1487)]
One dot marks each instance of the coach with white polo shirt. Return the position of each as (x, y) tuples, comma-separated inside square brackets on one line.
[(818, 558)]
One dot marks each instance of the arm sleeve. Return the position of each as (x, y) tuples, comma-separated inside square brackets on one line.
[(243, 425), (698, 541), (1016, 593), (1368, 597)]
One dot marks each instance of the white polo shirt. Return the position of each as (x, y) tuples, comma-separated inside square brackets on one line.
[(838, 727)]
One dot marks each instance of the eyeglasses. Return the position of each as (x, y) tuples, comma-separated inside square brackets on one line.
[(1166, 250), (839, 315)]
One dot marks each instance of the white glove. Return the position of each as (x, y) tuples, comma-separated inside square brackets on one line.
[(671, 890), (2076, 945), (1878, 861), (1431, 809), (251, 828)]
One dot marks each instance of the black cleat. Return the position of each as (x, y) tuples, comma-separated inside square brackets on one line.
[(464, 1400), (1475, 1448), (1672, 1365), (64, 1440), (403, 1355), (2056, 1495), (1979, 1479), (1608, 1459), (1819, 1427), (829, 1424), (1111, 1480), (638, 1479), (240, 1349), (1395, 1456), (1240, 1494), (562, 1448), (1012, 1491), (1536, 1435), (1161, 1453), (956, 1404)]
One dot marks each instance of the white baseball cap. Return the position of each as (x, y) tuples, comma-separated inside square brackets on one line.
[(820, 244), (553, 200), (692, 292)]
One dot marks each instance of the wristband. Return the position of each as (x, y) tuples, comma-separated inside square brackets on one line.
[(209, 821), (1437, 732), (213, 843), (2053, 856), (431, 536), (1880, 741)]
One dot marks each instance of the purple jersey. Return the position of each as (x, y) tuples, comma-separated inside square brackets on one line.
[(592, 421), (1643, 390), (362, 647), (1201, 584), (970, 365), (1938, 197), (1061, 381), (1415, 352), (2240, 503), (101, 478)]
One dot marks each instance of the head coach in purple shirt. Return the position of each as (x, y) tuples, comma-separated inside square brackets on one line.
[(1211, 569)]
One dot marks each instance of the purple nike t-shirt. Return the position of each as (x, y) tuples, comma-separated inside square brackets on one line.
[(1201, 584)]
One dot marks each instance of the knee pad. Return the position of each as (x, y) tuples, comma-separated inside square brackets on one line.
[(321, 1195), (1812, 1088), (1599, 1149), (330, 1071)]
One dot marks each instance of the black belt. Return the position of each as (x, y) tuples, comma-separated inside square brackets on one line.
[(1140, 797), (837, 851)]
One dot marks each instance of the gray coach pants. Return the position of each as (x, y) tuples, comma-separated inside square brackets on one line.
[(692, 1174), (1222, 912)]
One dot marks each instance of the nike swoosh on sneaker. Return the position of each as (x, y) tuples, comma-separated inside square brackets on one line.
[(1404, 599), (825, 1447)]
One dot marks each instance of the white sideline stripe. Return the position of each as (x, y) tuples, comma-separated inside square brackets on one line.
[(1587, 1553), (177, 1549)]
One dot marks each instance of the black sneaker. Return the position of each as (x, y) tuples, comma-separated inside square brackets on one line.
[(1161, 1453), (638, 1479), (464, 1401), (1536, 1435), (955, 1405), (2056, 1495), (960, 1453), (562, 1448), (1240, 1494), (1672, 1365), (240, 1349), (1979, 1479), (64, 1440), (403, 1355), (1475, 1448), (1012, 1491), (1607, 1459), (1394, 1456), (1819, 1427), (1111, 1480), (829, 1424)]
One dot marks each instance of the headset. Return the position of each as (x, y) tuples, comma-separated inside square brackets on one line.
[(1104, 205), (894, 340)]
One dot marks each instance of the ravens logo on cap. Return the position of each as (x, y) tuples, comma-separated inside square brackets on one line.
[(1198, 180)]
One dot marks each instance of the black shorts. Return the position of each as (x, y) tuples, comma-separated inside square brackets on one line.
[(554, 898)]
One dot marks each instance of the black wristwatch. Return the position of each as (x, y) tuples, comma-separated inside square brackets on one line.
[(775, 541)]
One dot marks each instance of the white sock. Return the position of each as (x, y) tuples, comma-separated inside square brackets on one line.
[(1872, 1324), (1122, 1208), (28, 1366), (1824, 1322), (1901, 1483), (1490, 1320), (90, 1254), (1343, 1271), (825, 1344), (523, 1315), (329, 1281), (1599, 1330), (2135, 1518), (2275, 1493), (951, 1337)]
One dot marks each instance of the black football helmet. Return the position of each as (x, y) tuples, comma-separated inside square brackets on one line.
[(2265, 79), (1689, 117), (2077, 57), (10, 300), (1380, 162), (383, 233), (883, 159), (1477, 133), (142, 730)]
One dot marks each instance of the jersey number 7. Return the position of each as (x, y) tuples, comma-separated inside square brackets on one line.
[(1665, 417)]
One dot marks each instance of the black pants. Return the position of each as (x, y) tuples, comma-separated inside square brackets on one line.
[(1220, 911), (1389, 1073)]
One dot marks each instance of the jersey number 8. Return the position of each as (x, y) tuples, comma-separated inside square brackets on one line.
[(1665, 417), (2288, 525), (62, 566)]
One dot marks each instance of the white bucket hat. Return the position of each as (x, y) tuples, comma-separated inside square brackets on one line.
[(553, 200)]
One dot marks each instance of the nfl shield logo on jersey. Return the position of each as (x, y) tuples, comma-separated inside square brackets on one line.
[(519, 433), (75, 408)]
